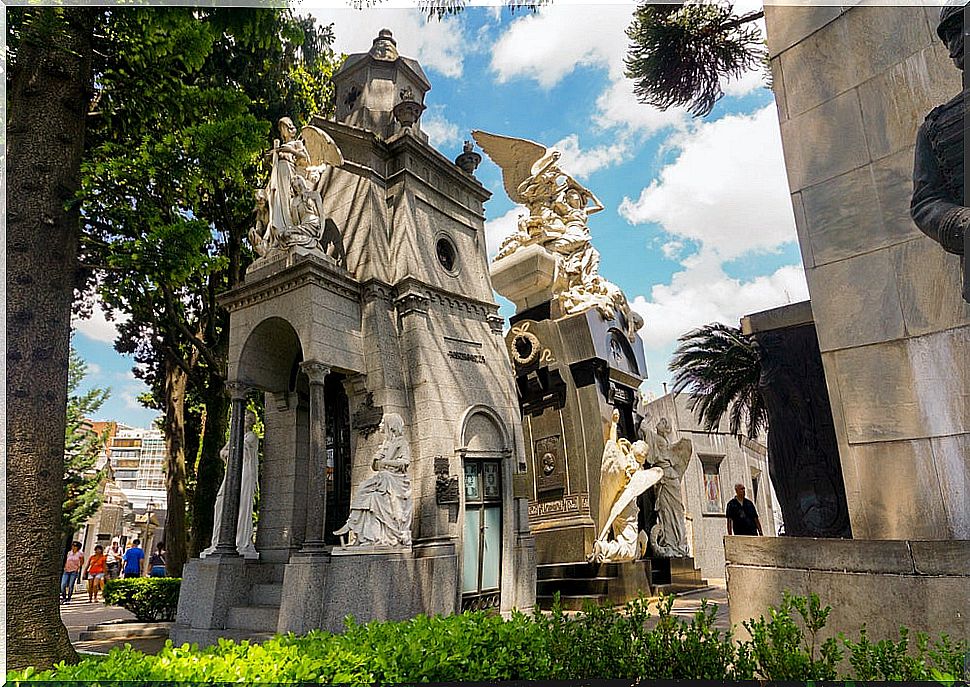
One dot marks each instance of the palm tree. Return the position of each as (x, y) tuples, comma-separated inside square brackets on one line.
[(720, 368)]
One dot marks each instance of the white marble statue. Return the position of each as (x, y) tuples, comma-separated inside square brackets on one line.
[(381, 509), (289, 211), (622, 479), (559, 207), (247, 492), (668, 537)]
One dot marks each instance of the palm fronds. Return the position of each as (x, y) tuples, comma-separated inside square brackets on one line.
[(680, 52), (719, 367)]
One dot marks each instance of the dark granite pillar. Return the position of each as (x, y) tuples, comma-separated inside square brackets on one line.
[(316, 521)]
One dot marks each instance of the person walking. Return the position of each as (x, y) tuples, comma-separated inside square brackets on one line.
[(94, 573), (133, 558), (742, 516), (73, 563), (156, 562), (114, 557)]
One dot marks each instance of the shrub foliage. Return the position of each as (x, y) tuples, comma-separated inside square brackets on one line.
[(149, 598), (599, 642)]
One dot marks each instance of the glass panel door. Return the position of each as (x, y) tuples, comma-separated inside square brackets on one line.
[(482, 546)]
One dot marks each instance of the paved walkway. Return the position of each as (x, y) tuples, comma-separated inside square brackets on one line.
[(79, 614)]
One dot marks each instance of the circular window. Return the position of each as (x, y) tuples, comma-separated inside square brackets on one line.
[(447, 256)]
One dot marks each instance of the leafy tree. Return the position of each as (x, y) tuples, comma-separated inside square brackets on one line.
[(183, 119), (720, 368), (49, 80), (82, 445), (679, 53)]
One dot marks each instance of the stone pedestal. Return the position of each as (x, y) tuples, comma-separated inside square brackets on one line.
[(210, 587), (571, 373), (368, 584), (923, 585), (526, 276)]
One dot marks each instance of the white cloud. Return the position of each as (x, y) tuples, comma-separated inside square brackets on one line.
[(703, 293), (93, 369), (618, 106), (98, 327), (441, 132), (581, 163), (749, 82), (726, 190), (548, 45), (496, 230), (437, 45), (671, 249), (130, 397)]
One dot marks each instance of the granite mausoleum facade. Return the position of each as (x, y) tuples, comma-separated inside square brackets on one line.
[(397, 320)]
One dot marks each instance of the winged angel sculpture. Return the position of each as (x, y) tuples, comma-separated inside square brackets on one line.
[(289, 211), (559, 207), (622, 479)]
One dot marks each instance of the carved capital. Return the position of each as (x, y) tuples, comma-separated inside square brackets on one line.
[(315, 370), (237, 390), (496, 323)]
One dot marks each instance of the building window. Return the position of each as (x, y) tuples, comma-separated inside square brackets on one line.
[(447, 254), (712, 483)]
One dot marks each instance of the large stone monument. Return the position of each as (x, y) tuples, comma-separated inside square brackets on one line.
[(392, 431), (852, 86), (578, 363)]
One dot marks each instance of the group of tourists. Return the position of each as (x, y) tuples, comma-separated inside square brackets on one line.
[(107, 565)]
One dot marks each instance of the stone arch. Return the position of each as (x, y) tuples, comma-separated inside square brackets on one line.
[(271, 356), (483, 431)]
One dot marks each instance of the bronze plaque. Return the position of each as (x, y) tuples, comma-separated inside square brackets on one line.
[(550, 465)]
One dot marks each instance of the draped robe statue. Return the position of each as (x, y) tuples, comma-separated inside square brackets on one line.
[(247, 492), (381, 509)]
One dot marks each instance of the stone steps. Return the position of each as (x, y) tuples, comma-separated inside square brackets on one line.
[(254, 619), (104, 631)]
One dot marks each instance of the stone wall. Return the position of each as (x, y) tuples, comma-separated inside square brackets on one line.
[(736, 462), (852, 85), (882, 584)]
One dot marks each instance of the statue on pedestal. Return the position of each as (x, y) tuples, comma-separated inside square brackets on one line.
[(289, 210), (939, 205), (622, 479), (668, 537), (559, 207), (381, 510), (247, 492)]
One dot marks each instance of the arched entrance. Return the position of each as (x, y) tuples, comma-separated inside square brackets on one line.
[(484, 449)]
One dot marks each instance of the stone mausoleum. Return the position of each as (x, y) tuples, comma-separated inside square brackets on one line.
[(371, 299)]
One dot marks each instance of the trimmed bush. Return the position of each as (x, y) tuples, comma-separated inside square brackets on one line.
[(599, 642), (149, 598)]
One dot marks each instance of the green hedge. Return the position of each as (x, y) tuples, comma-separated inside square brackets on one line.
[(149, 598), (596, 643)]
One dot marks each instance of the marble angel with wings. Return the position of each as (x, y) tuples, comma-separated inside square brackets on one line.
[(289, 210), (559, 207), (622, 479)]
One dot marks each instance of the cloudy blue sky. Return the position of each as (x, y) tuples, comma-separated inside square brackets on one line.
[(698, 224)]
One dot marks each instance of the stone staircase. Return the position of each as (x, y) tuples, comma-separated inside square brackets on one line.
[(614, 583), (257, 621), (119, 630)]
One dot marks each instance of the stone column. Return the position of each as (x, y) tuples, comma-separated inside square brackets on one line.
[(317, 475), (230, 500)]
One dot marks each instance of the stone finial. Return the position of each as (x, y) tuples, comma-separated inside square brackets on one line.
[(408, 110), (384, 47), (469, 160)]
